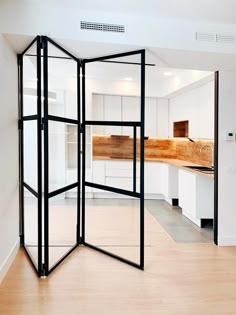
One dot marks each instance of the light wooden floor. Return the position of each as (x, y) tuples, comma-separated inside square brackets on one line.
[(179, 279)]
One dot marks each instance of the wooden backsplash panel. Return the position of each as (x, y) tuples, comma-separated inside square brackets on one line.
[(113, 147), (158, 147), (190, 151), (121, 147)]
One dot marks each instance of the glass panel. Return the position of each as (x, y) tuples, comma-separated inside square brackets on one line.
[(107, 83), (62, 154), (31, 225), (62, 225), (113, 159), (30, 81), (112, 224), (62, 84), (30, 154)]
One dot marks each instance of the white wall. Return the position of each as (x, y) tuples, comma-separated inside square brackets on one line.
[(227, 159), (197, 106), (9, 203)]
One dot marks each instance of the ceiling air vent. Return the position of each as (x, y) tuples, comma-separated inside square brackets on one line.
[(226, 39), (104, 27), (205, 37), (215, 38)]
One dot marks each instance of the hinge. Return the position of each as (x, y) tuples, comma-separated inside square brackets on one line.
[(20, 124), (81, 129), (43, 270), (22, 241), (19, 59), (43, 124), (42, 42)]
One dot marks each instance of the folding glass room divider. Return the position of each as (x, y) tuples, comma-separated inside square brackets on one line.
[(56, 214)]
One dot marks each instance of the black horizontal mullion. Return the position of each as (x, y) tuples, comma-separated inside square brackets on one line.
[(30, 117), (30, 45), (62, 190), (99, 249), (66, 52), (113, 189), (33, 192), (129, 53), (113, 123), (63, 258), (63, 119)]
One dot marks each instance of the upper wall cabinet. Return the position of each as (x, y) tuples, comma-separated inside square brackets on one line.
[(197, 107), (130, 112), (127, 108), (112, 111)]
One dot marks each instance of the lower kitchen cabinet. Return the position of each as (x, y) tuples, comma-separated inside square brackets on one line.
[(153, 179), (169, 182), (196, 196), (160, 179)]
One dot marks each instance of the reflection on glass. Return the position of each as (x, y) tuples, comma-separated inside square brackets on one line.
[(31, 225), (113, 158), (30, 82), (62, 226), (62, 155), (30, 153), (62, 84)]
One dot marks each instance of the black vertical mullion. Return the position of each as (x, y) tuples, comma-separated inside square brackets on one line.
[(78, 152), (39, 149), (45, 121), (21, 161), (216, 148), (83, 151), (142, 159), (134, 157)]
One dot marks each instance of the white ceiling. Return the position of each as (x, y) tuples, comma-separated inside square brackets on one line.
[(212, 11), (161, 57)]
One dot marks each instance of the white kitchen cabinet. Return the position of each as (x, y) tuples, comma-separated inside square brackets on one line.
[(197, 106), (130, 112), (153, 178), (196, 196), (151, 117), (128, 108), (162, 118), (98, 113), (98, 173), (119, 174), (112, 112), (169, 182)]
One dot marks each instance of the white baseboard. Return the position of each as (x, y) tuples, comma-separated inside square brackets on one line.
[(9, 259), (227, 241)]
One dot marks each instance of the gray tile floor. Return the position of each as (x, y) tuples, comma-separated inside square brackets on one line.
[(180, 229)]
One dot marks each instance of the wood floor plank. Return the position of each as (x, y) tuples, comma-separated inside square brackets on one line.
[(179, 279)]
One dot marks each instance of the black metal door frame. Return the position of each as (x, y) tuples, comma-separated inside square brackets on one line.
[(46, 119), (22, 183), (42, 124), (134, 125)]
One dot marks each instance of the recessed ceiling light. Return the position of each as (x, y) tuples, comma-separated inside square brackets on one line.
[(128, 79), (168, 73)]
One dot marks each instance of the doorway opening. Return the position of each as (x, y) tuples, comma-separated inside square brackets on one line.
[(55, 138)]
